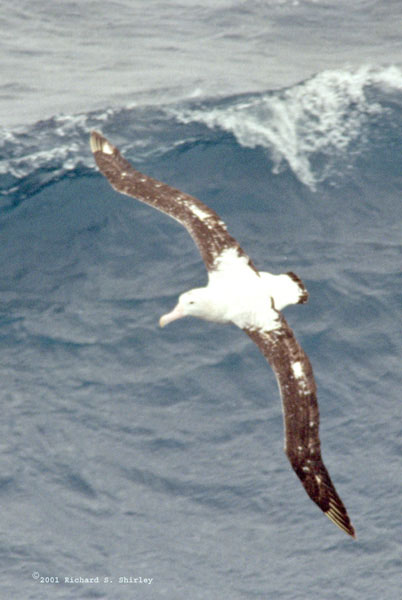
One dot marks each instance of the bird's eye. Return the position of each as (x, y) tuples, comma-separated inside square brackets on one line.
[(191, 301)]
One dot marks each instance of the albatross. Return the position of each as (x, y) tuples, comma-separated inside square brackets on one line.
[(237, 292)]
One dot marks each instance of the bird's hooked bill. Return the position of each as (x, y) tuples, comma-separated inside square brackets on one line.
[(176, 313)]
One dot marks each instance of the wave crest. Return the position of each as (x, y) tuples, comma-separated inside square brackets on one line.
[(314, 128), (306, 126)]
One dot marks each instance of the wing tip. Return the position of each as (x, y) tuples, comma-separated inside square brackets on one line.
[(338, 515), (100, 144)]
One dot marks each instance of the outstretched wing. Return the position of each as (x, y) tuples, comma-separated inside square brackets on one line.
[(203, 224), (301, 417)]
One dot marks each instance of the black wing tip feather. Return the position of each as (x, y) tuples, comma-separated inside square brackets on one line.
[(99, 143), (319, 487), (321, 490), (337, 514)]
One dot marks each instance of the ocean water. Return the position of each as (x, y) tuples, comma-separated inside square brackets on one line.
[(151, 461)]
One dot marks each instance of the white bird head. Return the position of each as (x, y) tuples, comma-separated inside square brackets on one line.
[(195, 303)]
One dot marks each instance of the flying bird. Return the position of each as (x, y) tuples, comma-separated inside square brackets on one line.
[(237, 292)]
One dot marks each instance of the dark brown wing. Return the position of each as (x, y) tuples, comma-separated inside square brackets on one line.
[(301, 417), (203, 224)]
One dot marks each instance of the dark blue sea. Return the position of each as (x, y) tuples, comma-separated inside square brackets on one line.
[(137, 462)]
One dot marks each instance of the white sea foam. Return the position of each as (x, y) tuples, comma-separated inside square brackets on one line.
[(305, 126), (321, 115)]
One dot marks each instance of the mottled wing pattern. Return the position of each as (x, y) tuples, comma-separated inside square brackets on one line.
[(203, 224), (301, 417)]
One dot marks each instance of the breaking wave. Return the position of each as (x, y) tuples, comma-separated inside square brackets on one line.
[(316, 129)]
